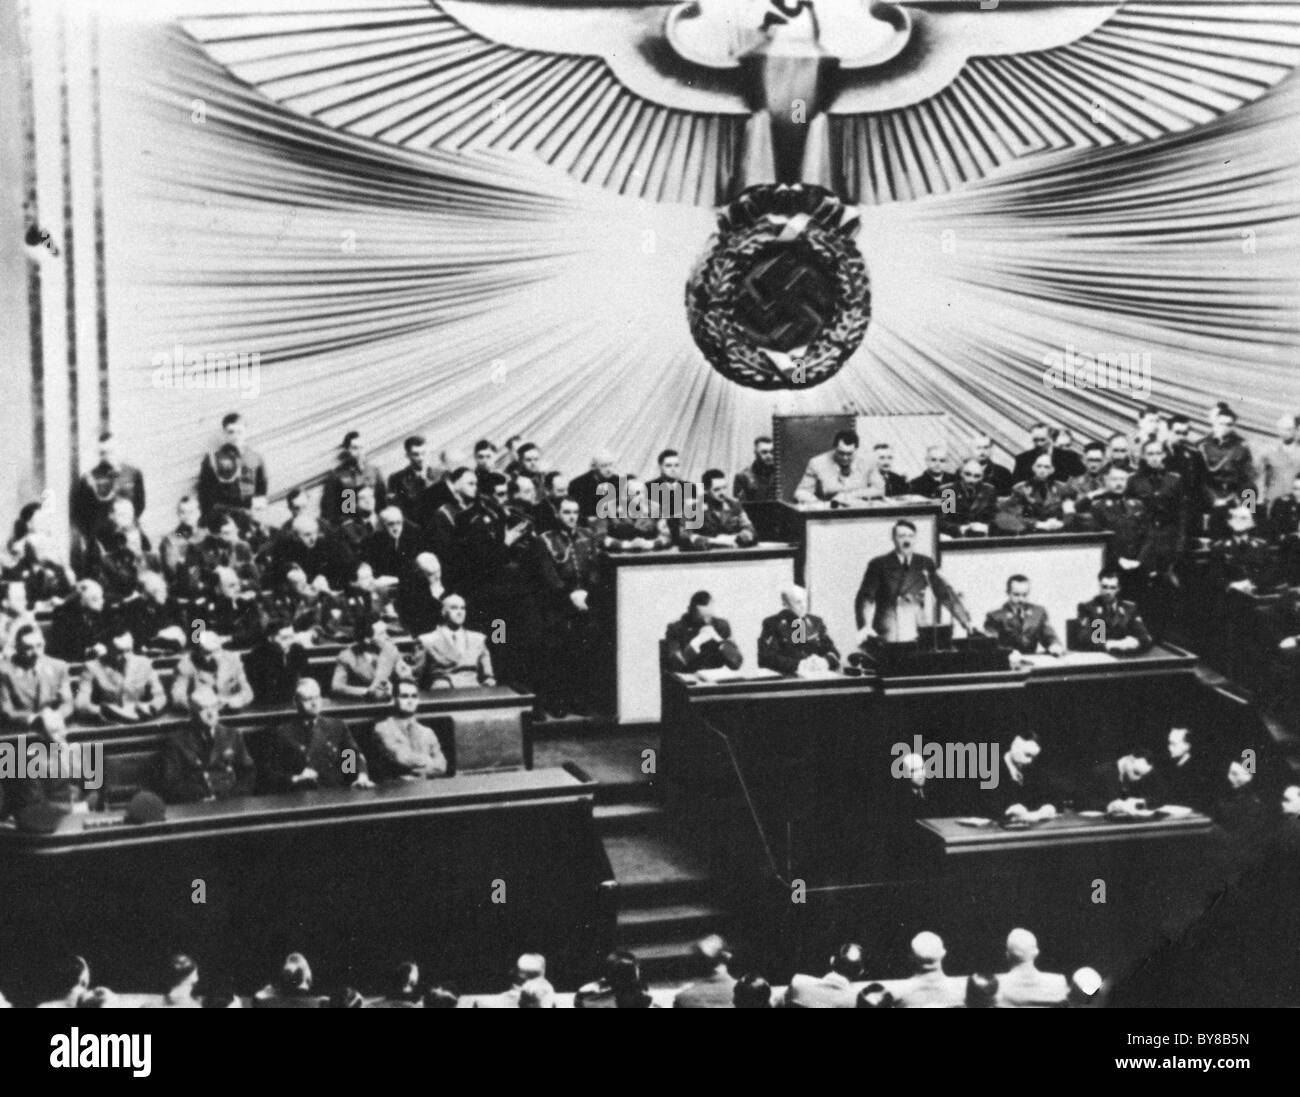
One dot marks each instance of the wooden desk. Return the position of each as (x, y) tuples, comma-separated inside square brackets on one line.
[(836, 546), (1061, 567), (954, 839), (459, 874), (652, 589)]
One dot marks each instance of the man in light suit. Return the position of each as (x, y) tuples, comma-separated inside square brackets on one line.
[(894, 586), (834, 990), (717, 988), (930, 988), (452, 656), (120, 685), (840, 475), (1020, 624), (1023, 985), (406, 747), (529, 967)]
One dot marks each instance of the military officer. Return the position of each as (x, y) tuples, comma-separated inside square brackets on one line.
[(1020, 624), (795, 641), (1108, 623), (970, 505), (1245, 562), (723, 521), (700, 639), (568, 561)]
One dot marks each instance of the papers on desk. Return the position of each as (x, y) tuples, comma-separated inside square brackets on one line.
[(726, 674), (1069, 659)]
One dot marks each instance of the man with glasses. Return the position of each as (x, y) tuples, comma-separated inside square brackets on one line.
[(1108, 623), (757, 484), (405, 747), (969, 505)]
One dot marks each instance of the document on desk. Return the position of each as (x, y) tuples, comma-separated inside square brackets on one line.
[(1069, 659), (726, 674)]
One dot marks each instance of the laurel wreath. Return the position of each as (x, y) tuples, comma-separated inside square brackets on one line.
[(711, 296)]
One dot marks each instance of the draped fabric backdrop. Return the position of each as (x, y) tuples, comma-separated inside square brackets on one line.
[(466, 295)]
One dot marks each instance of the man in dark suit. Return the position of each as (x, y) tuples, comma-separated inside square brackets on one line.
[(586, 488), (1185, 778), (1025, 789), (79, 623), (391, 550), (1065, 462), (795, 641), (700, 640), (407, 486), (420, 594), (1108, 623), (936, 477), (339, 494), (717, 987), (206, 760), (313, 751), (1124, 786), (895, 484), (1020, 624), (969, 505), (891, 597), (998, 477), (275, 663), (319, 554)]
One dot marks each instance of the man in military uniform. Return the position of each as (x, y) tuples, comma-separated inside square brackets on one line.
[(309, 607), (723, 521), (970, 505), (206, 760), (1244, 561), (120, 552), (1188, 463), (569, 567), (443, 528), (1230, 469), (555, 489), (407, 486), (1092, 482), (891, 598), (234, 474), (1020, 624), (936, 477), (631, 523), (223, 547), (998, 477), (1041, 504), (178, 552), (1108, 623), (338, 498), (1129, 550), (110, 479), (700, 639), (1161, 493), (313, 751), (1284, 528), (795, 641), (757, 483)]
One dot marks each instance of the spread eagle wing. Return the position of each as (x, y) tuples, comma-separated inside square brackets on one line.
[(599, 90)]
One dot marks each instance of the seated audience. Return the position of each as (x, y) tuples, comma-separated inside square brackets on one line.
[(393, 548), (585, 490), (182, 977), (621, 988), (1022, 984), (14, 613), (1091, 482), (893, 483), (834, 990), (313, 751), (700, 639), (79, 623), (310, 607), (275, 664), (1065, 462), (795, 641), (225, 547), (206, 759), (369, 667), (119, 552), (716, 987), (404, 746), (1086, 989), (998, 477), (35, 688), (936, 476), (1244, 562), (981, 991), (930, 988), (118, 685), (403, 990), (73, 981), (33, 557), (452, 656), (631, 523), (232, 612), (1025, 790), (1126, 786), (291, 988), (752, 991), (325, 561), (529, 968), (1108, 623), (1184, 778), (179, 552), (361, 522), (155, 618), (1022, 625), (420, 594), (723, 521), (1041, 504), (206, 664)]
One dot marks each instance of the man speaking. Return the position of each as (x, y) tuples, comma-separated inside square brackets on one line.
[(892, 600)]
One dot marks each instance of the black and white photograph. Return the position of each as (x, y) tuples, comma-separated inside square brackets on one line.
[(592, 504)]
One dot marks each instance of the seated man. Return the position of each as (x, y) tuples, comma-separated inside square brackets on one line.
[(368, 597), (407, 748), (1091, 483), (79, 623), (205, 664), (840, 476), (118, 685), (369, 667), (360, 523), (324, 558), (420, 594), (1245, 562), (1022, 984), (931, 483), (452, 656), (700, 640), (225, 547), (155, 618), (716, 987), (1041, 504), (723, 521), (313, 751), (795, 641), (308, 606), (275, 664), (930, 987), (392, 549), (1284, 528), (834, 990), (894, 483), (14, 613), (1123, 787), (232, 612), (119, 552), (1239, 809), (631, 523), (1108, 623), (969, 505), (1020, 624), (1184, 778), (35, 689), (1024, 790), (205, 759)]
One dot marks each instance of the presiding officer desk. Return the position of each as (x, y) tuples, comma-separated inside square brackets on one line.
[(457, 870)]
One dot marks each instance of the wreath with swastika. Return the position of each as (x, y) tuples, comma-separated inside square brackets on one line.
[(782, 297)]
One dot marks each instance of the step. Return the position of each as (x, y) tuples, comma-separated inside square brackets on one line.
[(668, 960), (629, 817), (651, 924), (656, 866)]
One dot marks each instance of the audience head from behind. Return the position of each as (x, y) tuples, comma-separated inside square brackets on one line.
[(619, 989), (404, 984), (712, 954), (928, 952), (293, 980), (154, 587), (981, 991), (874, 996), (1239, 775), (752, 991), (530, 965), (848, 961), (99, 998), (222, 999), (536, 994), (441, 996), (181, 977), (429, 566), (70, 981), (1022, 948), (1085, 985), (845, 448), (346, 998)]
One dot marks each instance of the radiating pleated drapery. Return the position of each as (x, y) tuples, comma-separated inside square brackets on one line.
[(462, 296)]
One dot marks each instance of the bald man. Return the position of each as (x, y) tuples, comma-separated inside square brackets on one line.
[(420, 594), (1023, 985), (313, 751), (970, 505), (586, 488), (795, 641), (930, 988)]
